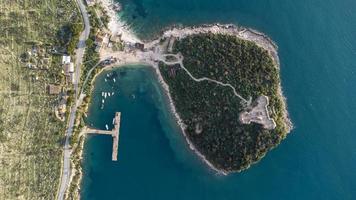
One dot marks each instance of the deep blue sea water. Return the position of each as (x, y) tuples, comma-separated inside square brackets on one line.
[(317, 49)]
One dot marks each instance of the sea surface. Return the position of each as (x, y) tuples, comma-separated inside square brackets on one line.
[(317, 49)]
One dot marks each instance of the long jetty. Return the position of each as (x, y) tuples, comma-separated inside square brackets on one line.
[(115, 133)]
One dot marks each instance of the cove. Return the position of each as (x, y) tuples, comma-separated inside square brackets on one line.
[(317, 48), (154, 161)]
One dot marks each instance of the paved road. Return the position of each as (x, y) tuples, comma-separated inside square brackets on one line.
[(66, 170)]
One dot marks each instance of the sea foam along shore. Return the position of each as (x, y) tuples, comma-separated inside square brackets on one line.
[(118, 27), (246, 34), (243, 33)]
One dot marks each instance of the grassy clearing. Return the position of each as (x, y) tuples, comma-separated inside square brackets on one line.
[(30, 135)]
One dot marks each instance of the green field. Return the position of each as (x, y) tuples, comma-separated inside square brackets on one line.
[(211, 111), (30, 135)]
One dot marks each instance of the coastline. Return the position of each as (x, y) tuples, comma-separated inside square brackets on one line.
[(258, 38), (243, 33), (180, 123), (172, 108), (116, 26), (75, 179)]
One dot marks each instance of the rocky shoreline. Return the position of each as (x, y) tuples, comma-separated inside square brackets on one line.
[(243, 33), (246, 34), (181, 124), (260, 39)]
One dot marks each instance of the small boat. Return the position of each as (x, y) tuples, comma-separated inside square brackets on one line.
[(107, 127), (105, 94), (102, 94), (106, 80), (114, 80), (109, 94), (112, 93), (102, 101)]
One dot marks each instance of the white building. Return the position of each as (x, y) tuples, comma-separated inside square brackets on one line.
[(90, 2), (65, 59), (68, 69)]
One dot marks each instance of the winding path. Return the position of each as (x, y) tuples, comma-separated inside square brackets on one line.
[(179, 61)]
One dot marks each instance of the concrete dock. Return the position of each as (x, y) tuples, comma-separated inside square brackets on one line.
[(115, 133)]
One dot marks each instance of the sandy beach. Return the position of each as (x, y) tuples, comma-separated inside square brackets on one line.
[(116, 26)]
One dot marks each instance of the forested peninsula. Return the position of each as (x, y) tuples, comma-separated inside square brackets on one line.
[(221, 77)]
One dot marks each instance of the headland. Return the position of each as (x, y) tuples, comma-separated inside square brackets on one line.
[(169, 59)]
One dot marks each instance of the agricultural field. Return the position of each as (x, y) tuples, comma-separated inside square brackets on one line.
[(33, 36)]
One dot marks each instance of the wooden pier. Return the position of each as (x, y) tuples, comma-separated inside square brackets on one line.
[(115, 133)]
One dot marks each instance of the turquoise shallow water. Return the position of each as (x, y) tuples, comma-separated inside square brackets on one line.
[(317, 49)]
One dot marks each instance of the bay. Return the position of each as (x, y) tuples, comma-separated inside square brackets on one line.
[(317, 49)]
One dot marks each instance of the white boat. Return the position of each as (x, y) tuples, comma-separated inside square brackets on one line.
[(105, 95), (106, 80), (102, 101), (109, 94), (107, 127), (102, 94), (114, 80)]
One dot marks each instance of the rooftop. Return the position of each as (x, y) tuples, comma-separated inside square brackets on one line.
[(65, 59), (54, 89)]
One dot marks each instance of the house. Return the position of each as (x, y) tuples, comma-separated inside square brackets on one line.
[(69, 72), (54, 89), (68, 68), (90, 2), (65, 59)]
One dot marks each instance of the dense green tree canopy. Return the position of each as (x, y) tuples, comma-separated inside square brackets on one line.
[(210, 111)]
